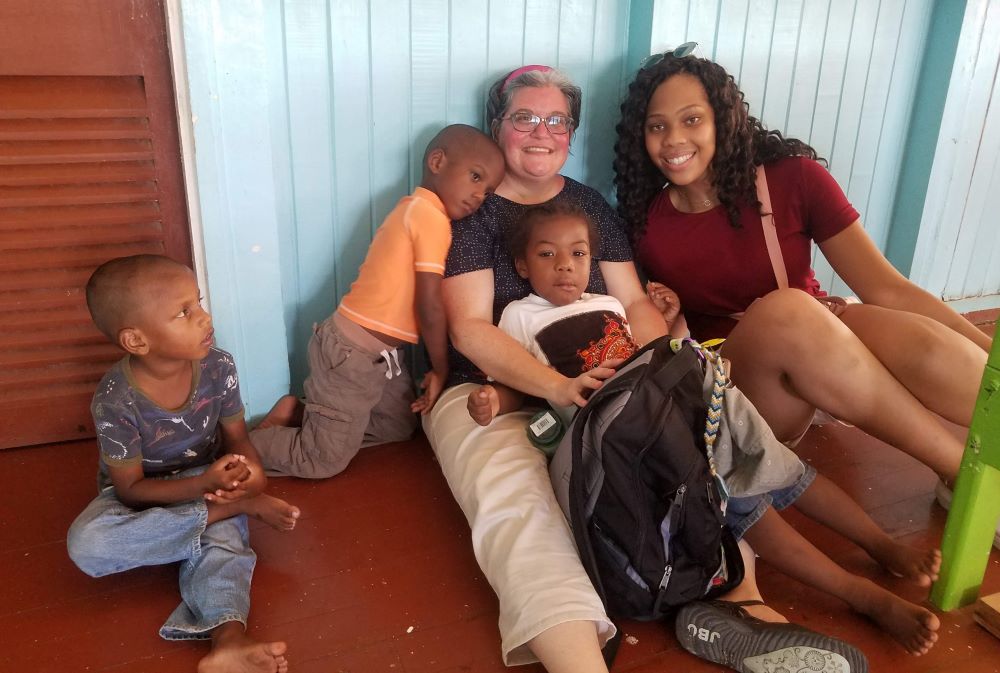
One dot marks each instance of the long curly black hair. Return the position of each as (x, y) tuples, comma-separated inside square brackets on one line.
[(741, 142)]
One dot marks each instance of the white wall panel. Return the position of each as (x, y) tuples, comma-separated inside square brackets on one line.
[(799, 117), (957, 249)]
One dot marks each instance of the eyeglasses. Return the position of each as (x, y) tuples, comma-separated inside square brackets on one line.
[(529, 121), (681, 51)]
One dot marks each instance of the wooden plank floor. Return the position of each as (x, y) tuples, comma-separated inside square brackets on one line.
[(379, 575)]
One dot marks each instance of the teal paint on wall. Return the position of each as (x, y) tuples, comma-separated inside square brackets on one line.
[(921, 140), (227, 62), (640, 38)]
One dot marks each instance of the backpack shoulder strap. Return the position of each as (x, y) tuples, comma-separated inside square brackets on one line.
[(770, 230)]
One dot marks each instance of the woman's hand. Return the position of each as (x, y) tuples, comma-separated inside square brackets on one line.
[(577, 390)]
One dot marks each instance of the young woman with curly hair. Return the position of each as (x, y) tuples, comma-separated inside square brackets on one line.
[(685, 165)]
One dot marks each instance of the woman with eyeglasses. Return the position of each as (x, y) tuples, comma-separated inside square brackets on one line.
[(694, 172), (549, 610)]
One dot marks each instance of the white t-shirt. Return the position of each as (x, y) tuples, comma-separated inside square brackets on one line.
[(573, 338)]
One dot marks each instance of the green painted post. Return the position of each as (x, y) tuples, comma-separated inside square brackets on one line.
[(975, 507)]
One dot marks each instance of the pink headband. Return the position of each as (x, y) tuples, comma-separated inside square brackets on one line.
[(520, 71)]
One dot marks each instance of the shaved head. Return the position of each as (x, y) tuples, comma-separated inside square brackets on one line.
[(461, 140), (119, 288)]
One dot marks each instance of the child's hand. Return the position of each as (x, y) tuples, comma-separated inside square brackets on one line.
[(432, 385), (576, 391), (232, 495), (226, 473), (484, 404), (665, 300), (243, 485)]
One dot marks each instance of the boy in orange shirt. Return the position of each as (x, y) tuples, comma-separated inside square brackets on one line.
[(357, 393)]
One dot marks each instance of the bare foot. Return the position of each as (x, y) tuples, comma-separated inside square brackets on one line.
[(273, 511), (287, 411), (764, 613), (235, 652), (913, 626), (921, 566)]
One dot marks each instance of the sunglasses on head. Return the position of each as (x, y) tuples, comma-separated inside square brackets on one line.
[(681, 51)]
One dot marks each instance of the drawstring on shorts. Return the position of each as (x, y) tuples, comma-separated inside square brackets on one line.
[(389, 361)]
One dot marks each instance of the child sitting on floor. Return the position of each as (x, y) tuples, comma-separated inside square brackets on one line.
[(357, 393), (578, 333), (178, 474)]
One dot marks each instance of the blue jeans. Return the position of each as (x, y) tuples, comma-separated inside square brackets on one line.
[(216, 560), (742, 513)]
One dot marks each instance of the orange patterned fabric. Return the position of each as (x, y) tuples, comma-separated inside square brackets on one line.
[(614, 342)]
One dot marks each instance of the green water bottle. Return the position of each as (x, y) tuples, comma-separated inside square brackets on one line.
[(545, 429)]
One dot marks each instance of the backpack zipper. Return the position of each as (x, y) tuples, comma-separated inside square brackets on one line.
[(664, 582), (678, 504), (673, 521)]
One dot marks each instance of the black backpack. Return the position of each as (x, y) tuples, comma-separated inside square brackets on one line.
[(632, 475)]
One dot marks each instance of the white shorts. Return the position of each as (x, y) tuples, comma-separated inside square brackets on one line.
[(520, 536)]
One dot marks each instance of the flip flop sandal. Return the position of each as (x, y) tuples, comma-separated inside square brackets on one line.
[(725, 633)]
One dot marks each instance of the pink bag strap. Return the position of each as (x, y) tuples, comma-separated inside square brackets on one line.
[(770, 230)]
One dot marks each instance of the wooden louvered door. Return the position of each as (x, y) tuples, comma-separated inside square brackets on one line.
[(89, 170)]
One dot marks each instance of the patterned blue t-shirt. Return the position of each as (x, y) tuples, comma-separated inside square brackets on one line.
[(133, 430)]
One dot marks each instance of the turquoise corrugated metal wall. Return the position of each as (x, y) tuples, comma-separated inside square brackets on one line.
[(310, 118)]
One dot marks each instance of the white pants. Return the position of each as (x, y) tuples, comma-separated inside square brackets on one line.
[(519, 534)]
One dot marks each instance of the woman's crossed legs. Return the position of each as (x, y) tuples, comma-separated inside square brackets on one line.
[(790, 356)]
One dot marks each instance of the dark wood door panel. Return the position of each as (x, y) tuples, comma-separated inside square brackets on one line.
[(89, 170)]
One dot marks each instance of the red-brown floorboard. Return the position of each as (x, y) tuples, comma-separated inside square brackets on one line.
[(383, 548), (379, 574)]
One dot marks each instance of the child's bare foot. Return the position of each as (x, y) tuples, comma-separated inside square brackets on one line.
[(765, 613), (287, 411), (919, 565), (913, 626), (273, 511), (235, 652)]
